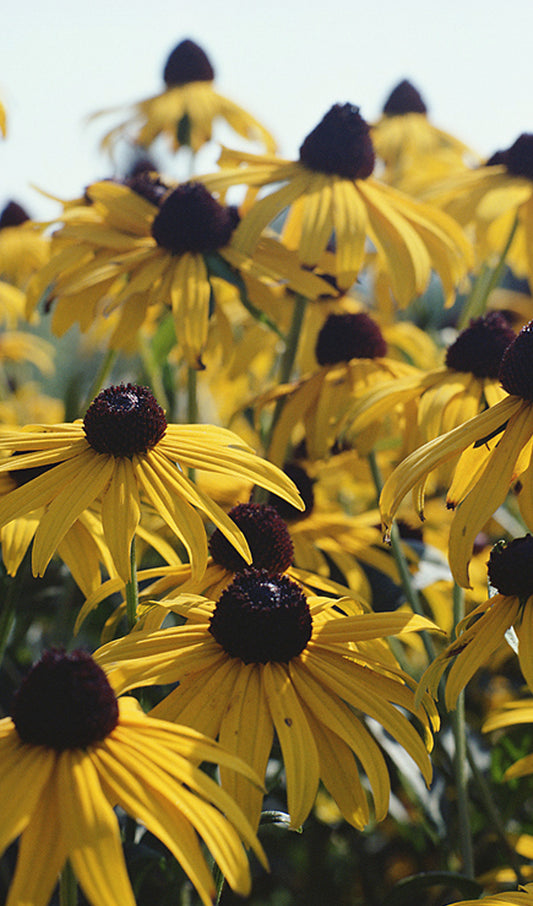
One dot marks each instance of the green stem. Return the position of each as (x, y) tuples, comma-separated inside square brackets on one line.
[(7, 615), (101, 376), (487, 280), (68, 886), (153, 371), (219, 882), (287, 361), (402, 565), (132, 590), (460, 758), (494, 816)]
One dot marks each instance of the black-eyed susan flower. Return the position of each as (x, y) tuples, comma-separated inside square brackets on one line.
[(413, 150), (3, 120), (352, 354), (124, 454), (466, 384), (70, 752), (492, 200), (187, 109), (23, 249), (496, 448), (264, 658), (510, 571), (144, 245), (330, 191)]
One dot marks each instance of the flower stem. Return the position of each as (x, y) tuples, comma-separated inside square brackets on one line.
[(7, 614), (132, 589), (487, 280), (287, 361), (68, 887), (460, 758), (101, 376), (400, 559)]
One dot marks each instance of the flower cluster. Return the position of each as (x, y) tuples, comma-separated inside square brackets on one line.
[(214, 505)]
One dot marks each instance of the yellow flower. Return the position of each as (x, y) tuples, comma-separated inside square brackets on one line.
[(265, 658), (23, 250), (484, 629), (71, 752), (3, 120), (413, 150), (123, 454), (330, 191), (497, 450), (447, 396), (184, 113), (490, 198), (145, 245), (351, 353)]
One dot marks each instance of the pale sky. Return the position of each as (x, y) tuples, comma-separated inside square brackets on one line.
[(287, 61)]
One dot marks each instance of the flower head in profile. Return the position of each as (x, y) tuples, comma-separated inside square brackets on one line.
[(70, 752), (414, 151), (351, 352), (187, 109), (496, 453), (510, 571), (491, 198), (330, 191), (23, 249), (123, 456), (144, 246), (447, 396), (266, 658)]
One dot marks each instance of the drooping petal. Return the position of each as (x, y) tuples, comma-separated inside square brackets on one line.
[(91, 829), (43, 850), (300, 756)]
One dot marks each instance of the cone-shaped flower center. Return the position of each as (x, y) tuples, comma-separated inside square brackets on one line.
[(65, 702), (340, 144), (478, 350), (349, 336), (405, 98), (261, 618), (12, 215), (124, 420), (304, 483), (187, 63), (510, 567), (191, 220), (518, 158), (516, 369), (267, 536)]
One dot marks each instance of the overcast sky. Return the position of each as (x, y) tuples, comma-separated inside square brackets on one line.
[(287, 61)]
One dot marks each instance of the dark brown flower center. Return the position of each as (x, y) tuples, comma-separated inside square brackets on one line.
[(187, 63), (267, 536), (191, 220), (148, 184), (349, 336), (516, 369), (340, 144), (261, 618), (124, 420), (518, 158), (405, 98), (13, 215), (510, 567), (65, 702), (304, 483), (478, 350)]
